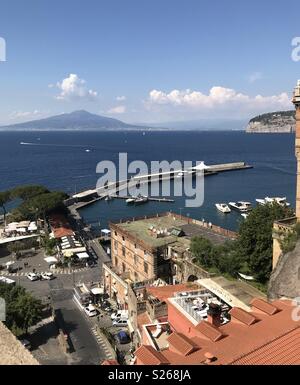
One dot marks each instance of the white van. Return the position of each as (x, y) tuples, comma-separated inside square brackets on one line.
[(120, 314), (120, 322)]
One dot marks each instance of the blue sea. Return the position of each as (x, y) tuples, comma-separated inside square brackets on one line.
[(59, 160)]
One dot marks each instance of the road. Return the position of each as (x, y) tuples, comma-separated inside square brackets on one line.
[(60, 293)]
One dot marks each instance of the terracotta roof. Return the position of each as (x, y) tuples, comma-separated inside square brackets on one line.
[(60, 232), (242, 316), (284, 350), (181, 344), (147, 355), (264, 306), (168, 291), (209, 331)]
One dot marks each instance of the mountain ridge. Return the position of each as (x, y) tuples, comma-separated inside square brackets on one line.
[(76, 120)]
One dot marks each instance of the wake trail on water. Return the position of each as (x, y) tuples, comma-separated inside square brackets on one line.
[(282, 170), (55, 145)]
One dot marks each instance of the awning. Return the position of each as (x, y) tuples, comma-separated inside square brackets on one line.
[(246, 277), (97, 290), (51, 260), (82, 255), (105, 231)]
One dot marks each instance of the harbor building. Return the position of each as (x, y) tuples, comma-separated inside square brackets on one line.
[(151, 248)]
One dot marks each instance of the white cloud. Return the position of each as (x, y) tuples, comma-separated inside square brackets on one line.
[(15, 115), (255, 76), (117, 110), (121, 98), (219, 98), (72, 88)]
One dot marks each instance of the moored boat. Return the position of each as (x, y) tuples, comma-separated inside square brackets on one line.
[(241, 206), (223, 207)]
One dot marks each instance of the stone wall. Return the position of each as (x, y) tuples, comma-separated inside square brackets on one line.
[(12, 352)]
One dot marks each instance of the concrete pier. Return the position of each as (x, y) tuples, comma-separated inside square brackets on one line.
[(90, 196)]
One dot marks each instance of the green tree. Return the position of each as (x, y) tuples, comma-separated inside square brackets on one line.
[(22, 309), (4, 198), (40, 205), (28, 191), (255, 243), (202, 249)]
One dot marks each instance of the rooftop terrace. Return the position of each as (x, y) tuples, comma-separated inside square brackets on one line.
[(141, 229)]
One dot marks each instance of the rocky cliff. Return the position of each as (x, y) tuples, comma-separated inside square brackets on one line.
[(273, 122)]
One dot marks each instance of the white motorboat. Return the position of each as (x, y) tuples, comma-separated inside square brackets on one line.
[(130, 201), (280, 200), (223, 207), (244, 215), (261, 202), (140, 200), (267, 200), (241, 206)]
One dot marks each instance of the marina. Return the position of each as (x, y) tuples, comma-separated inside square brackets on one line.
[(113, 189)]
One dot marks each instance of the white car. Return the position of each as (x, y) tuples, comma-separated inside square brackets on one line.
[(32, 276), (90, 310), (47, 275), (119, 314), (120, 322)]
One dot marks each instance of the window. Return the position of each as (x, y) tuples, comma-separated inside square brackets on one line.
[(135, 259), (123, 238), (116, 261), (123, 251), (116, 234), (123, 267), (115, 245), (146, 267), (136, 276)]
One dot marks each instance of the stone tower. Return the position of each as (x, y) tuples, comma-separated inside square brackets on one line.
[(296, 101)]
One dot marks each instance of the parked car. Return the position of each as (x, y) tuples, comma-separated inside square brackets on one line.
[(90, 310), (123, 337), (32, 276), (26, 344), (120, 322), (48, 275), (120, 314)]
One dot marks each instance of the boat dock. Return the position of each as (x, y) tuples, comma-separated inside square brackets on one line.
[(88, 197)]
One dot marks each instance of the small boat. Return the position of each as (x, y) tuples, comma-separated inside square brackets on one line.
[(241, 206), (87, 150), (267, 200), (244, 215), (280, 200), (223, 207), (140, 200), (261, 202), (130, 201)]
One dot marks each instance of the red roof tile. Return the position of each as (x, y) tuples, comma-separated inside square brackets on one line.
[(242, 316), (284, 350), (181, 344), (147, 355), (209, 331), (264, 306)]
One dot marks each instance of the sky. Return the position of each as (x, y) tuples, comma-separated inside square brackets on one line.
[(148, 61)]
